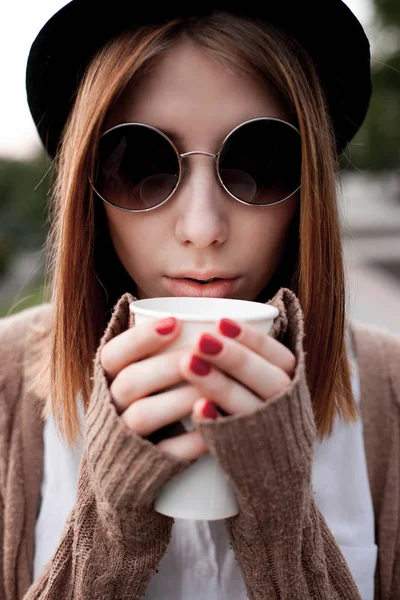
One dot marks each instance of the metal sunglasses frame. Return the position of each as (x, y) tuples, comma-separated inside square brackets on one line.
[(181, 156)]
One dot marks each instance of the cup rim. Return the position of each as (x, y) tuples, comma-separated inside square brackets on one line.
[(135, 308)]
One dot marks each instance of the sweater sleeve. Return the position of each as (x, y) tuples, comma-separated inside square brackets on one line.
[(113, 538), (281, 540), (2, 590)]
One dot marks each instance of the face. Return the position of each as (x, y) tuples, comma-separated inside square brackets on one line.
[(201, 227)]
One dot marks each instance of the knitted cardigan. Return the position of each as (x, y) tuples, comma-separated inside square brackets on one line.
[(113, 539)]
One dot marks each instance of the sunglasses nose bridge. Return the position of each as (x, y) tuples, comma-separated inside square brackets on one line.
[(202, 153), (215, 156), (185, 154)]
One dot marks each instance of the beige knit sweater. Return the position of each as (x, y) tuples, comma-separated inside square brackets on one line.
[(113, 539)]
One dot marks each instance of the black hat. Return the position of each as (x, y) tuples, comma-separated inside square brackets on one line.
[(328, 29)]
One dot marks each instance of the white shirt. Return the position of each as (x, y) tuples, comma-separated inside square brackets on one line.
[(198, 563)]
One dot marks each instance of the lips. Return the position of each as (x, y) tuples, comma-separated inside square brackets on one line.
[(203, 281), (205, 275), (220, 288)]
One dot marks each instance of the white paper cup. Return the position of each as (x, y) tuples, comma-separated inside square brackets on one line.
[(201, 492)]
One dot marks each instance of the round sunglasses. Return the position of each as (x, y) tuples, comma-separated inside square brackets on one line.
[(138, 167)]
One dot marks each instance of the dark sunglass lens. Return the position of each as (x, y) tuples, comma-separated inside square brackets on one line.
[(261, 162), (137, 167)]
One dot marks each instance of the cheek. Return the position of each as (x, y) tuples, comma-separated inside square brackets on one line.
[(124, 233), (282, 218), (117, 231), (270, 229), (134, 238), (125, 228)]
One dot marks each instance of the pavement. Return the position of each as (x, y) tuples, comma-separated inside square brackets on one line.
[(370, 212)]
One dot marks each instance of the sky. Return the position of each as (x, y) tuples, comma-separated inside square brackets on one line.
[(20, 22)]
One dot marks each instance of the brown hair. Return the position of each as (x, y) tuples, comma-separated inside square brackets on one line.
[(86, 277)]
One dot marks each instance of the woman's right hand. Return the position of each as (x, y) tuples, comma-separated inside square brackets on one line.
[(135, 375)]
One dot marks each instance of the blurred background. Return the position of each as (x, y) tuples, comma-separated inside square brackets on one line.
[(369, 191)]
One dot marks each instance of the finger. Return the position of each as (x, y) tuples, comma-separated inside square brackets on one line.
[(227, 393), (240, 363), (204, 409), (150, 414), (261, 343), (188, 446), (146, 377), (134, 344)]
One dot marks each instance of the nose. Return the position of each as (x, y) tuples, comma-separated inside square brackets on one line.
[(202, 203)]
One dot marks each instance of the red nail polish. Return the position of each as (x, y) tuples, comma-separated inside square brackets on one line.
[(209, 411), (229, 328), (166, 326), (199, 366), (209, 345)]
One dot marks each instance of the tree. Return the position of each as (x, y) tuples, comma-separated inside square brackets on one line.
[(377, 145), (23, 205)]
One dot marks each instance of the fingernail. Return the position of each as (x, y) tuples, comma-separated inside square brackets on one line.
[(166, 326), (209, 411), (209, 344), (229, 328), (199, 366)]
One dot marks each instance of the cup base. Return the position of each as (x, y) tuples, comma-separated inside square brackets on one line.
[(200, 493), (189, 516)]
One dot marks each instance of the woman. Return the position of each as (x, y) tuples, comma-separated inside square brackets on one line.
[(198, 145)]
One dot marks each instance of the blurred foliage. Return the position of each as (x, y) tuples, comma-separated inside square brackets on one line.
[(31, 295), (388, 11), (376, 146), (23, 205)]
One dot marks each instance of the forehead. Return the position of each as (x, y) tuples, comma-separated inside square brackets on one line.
[(190, 95)]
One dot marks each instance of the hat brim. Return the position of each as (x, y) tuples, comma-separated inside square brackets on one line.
[(327, 29)]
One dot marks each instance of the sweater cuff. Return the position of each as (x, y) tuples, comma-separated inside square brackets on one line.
[(127, 471), (273, 444)]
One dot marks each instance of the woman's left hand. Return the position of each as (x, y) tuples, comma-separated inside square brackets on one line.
[(241, 368)]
